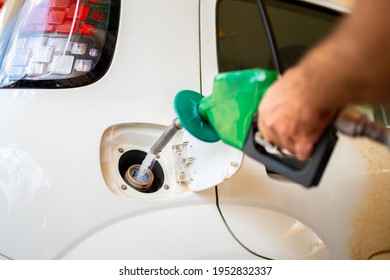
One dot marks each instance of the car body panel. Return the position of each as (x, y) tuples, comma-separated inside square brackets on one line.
[(52, 189)]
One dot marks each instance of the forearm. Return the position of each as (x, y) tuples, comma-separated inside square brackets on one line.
[(353, 64)]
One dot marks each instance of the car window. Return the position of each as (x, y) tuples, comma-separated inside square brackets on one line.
[(297, 28), (242, 42)]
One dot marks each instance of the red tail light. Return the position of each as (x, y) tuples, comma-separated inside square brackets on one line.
[(59, 43)]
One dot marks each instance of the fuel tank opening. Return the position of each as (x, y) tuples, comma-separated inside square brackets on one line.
[(143, 183), (129, 164)]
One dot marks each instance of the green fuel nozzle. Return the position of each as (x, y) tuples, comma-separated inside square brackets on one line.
[(227, 113)]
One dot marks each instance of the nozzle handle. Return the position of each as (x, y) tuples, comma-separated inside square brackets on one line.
[(307, 173)]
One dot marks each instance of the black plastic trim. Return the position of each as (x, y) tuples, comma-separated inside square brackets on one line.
[(269, 32), (307, 173)]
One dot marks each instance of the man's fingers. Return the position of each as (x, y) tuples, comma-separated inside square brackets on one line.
[(278, 138), (303, 150)]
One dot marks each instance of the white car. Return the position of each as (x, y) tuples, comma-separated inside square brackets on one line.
[(86, 87)]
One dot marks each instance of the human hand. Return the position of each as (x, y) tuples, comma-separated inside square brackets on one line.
[(292, 114)]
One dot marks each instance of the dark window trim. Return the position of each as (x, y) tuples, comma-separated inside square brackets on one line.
[(269, 33)]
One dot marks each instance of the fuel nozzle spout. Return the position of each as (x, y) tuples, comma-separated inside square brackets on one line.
[(355, 124), (168, 134)]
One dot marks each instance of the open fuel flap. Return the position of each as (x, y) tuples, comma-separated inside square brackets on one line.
[(185, 164), (203, 165)]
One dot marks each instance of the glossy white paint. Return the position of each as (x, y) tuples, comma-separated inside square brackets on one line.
[(52, 192), (185, 231), (55, 203)]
